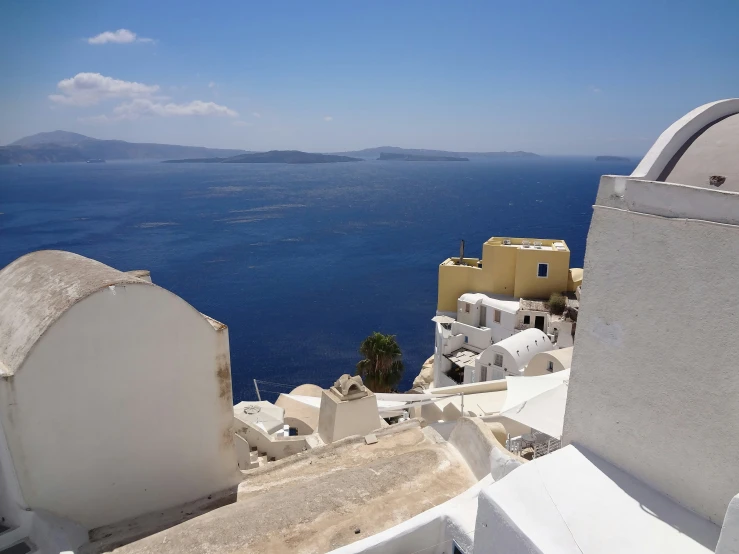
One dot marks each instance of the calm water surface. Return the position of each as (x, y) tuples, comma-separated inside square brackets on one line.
[(301, 262)]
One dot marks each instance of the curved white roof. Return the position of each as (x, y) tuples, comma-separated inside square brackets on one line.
[(699, 144), (36, 290), (525, 345), (506, 304), (564, 355)]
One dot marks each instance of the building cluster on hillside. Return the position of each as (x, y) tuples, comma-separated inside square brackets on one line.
[(496, 313), (119, 431)]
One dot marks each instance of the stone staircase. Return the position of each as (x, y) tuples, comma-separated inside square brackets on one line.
[(258, 459), (13, 541)]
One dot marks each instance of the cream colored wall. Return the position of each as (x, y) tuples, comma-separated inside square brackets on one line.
[(344, 418), (574, 279), (123, 407), (528, 284), (539, 363), (297, 414)]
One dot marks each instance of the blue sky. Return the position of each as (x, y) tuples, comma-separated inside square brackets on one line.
[(552, 77)]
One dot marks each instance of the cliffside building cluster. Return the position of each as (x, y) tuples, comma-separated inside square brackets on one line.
[(493, 314)]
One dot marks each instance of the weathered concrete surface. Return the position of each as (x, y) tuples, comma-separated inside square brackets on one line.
[(36, 289), (315, 501)]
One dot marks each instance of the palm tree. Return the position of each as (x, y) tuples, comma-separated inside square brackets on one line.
[(382, 367)]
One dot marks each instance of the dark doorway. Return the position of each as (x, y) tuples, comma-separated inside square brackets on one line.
[(539, 322)]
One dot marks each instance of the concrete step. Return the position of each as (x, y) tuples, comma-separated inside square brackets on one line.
[(24, 546), (10, 536)]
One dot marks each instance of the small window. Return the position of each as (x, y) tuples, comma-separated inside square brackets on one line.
[(293, 431), (543, 270), (527, 320), (498, 360), (466, 339), (550, 367), (496, 316), (467, 308)]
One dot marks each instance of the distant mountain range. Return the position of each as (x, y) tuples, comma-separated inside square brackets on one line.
[(272, 157), (611, 159), (63, 146), (376, 152), (395, 157)]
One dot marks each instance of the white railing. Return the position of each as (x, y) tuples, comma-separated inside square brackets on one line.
[(540, 443)]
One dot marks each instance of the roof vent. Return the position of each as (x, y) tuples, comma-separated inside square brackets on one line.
[(507, 241), (537, 243), (525, 243)]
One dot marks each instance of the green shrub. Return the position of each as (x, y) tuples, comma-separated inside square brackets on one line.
[(557, 304)]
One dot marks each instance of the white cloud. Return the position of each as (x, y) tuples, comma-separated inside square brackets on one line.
[(121, 36), (139, 100), (212, 85), (328, 118), (146, 107), (88, 89), (256, 114), (594, 89)]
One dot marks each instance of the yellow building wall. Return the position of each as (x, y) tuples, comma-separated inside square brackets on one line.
[(454, 281), (507, 270), (529, 284), (500, 262)]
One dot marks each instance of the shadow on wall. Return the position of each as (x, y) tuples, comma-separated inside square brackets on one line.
[(655, 504)]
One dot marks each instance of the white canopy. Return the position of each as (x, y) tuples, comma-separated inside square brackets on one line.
[(538, 402), (521, 389)]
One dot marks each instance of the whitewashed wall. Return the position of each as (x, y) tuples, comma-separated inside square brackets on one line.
[(654, 385), (476, 337), (506, 328), (487, 359), (469, 318), (123, 407)]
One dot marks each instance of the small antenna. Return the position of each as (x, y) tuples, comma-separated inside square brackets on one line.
[(461, 251)]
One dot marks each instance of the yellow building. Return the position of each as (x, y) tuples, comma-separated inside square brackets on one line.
[(517, 267)]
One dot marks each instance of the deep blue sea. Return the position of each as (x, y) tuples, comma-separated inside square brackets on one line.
[(301, 262)]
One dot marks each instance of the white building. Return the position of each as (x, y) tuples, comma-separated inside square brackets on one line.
[(496, 316), (511, 356), (115, 397), (549, 362), (485, 320)]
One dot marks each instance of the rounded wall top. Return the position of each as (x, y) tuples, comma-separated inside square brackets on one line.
[(37, 289), (685, 134)]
